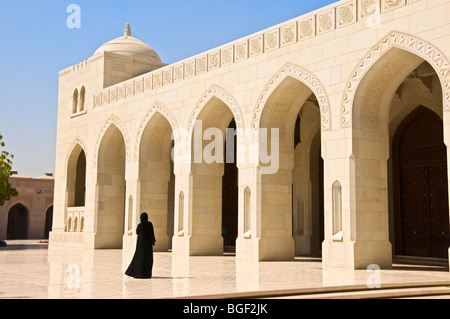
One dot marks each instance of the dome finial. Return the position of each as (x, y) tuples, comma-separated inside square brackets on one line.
[(127, 32)]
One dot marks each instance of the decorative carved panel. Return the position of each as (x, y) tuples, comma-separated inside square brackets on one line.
[(256, 46), (368, 8), (227, 55), (157, 80), (202, 64), (167, 76), (214, 60), (307, 28), (148, 83), (189, 68), (389, 5), (178, 72), (288, 34), (346, 14), (272, 40), (326, 21), (241, 51)]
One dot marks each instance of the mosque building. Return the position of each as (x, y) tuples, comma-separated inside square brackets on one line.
[(325, 135)]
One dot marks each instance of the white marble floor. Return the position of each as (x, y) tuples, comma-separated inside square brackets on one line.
[(31, 270)]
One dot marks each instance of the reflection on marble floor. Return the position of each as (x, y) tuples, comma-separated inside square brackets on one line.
[(38, 272)]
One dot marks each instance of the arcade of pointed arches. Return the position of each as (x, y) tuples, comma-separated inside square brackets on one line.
[(301, 103)]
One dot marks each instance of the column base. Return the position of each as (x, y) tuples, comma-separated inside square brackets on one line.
[(265, 249), (162, 243), (197, 245), (356, 254), (71, 240)]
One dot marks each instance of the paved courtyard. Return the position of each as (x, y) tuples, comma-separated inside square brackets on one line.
[(29, 269)]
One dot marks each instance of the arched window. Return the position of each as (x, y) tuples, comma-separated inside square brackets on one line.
[(337, 209), (75, 101), (247, 212), (181, 212), (82, 98)]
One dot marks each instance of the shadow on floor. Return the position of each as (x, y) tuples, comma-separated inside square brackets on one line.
[(25, 244)]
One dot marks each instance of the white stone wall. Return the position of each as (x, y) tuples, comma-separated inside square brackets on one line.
[(331, 52)]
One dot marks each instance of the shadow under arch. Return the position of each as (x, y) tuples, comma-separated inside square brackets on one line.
[(18, 221), (305, 77), (76, 165), (416, 46), (375, 87), (110, 189), (293, 107), (156, 178), (211, 174)]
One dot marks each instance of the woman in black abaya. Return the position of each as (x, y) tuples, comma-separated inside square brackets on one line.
[(142, 263)]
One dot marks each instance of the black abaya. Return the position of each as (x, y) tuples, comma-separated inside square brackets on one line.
[(142, 263)]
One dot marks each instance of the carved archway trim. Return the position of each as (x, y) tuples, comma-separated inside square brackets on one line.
[(160, 108), (304, 76), (113, 120), (404, 41)]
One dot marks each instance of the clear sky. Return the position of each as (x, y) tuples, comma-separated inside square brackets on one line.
[(37, 44)]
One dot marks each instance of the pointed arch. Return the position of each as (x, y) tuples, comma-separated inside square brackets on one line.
[(225, 97), (82, 99), (77, 141), (75, 101), (111, 156), (113, 120), (160, 108), (404, 41), (75, 174), (18, 221), (305, 77)]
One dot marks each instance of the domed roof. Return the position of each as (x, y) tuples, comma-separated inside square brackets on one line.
[(131, 47)]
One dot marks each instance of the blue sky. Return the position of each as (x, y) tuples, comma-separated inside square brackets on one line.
[(37, 44)]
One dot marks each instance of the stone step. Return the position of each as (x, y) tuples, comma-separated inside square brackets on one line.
[(378, 293), (399, 290)]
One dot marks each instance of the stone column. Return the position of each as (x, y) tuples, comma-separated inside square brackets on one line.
[(183, 210), (359, 164), (132, 208)]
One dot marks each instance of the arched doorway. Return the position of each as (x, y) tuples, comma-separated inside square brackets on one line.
[(378, 96), (111, 187), (230, 190), (421, 187), (214, 179), (157, 179), (76, 177), (292, 196), (48, 222), (17, 222), (307, 181)]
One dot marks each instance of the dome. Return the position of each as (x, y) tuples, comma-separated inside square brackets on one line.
[(131, 47)]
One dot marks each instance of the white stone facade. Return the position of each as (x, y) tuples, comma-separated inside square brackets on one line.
[(344, 68)]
